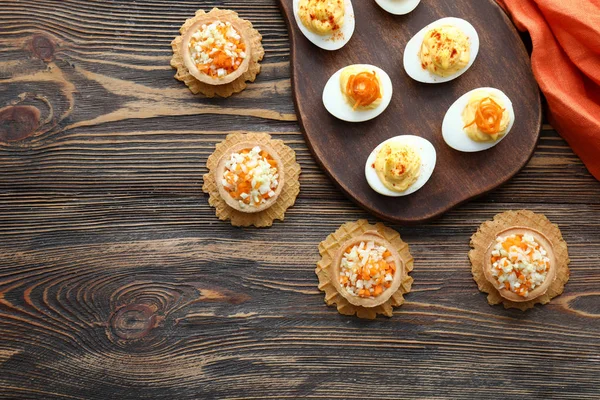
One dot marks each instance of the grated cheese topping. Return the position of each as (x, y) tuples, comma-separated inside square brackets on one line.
[(519, 263), (217, 49), (251, 177), (367, 270)]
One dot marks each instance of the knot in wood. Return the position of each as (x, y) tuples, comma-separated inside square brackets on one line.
[(134, 321), (18, 122), (43, 48), (586, 304)]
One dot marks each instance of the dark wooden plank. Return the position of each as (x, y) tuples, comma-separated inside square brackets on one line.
[(117, 281), (342, 148), (259, 319)]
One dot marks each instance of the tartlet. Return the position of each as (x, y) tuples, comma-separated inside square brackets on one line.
[(550, 250), (351, 301), (231, 82), (273, 201), (207, 19)]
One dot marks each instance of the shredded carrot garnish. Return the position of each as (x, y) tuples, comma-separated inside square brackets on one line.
[(488, 116), (363, 88)]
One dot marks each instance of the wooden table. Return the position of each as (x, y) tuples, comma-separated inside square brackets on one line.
[(118, 282)]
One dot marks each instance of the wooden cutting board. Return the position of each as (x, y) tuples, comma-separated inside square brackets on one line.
[(341, 148)]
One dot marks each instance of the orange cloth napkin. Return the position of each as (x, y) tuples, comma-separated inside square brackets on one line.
[(566, 64)]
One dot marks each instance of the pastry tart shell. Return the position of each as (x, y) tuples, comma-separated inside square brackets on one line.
[(235, 82), (287, 191), (544, 232), (332, 249)]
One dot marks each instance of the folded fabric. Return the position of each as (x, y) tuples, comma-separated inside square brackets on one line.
[(566, 64)]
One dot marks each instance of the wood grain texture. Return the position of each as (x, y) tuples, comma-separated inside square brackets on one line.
[(117, 281), (342, 148)]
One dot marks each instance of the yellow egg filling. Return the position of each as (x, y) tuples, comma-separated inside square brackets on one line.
[(398, 166), (445, 50), (322, 17)]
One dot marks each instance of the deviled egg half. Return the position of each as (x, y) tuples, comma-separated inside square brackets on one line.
[(401, 165), (442, 51), (478, 120), (357, 93), (329, 24), (398, 7)]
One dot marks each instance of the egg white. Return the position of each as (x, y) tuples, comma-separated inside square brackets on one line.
[(452, 126), (334, 41), (412, 61), (398, 7), (428, 160), (336, 103)]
